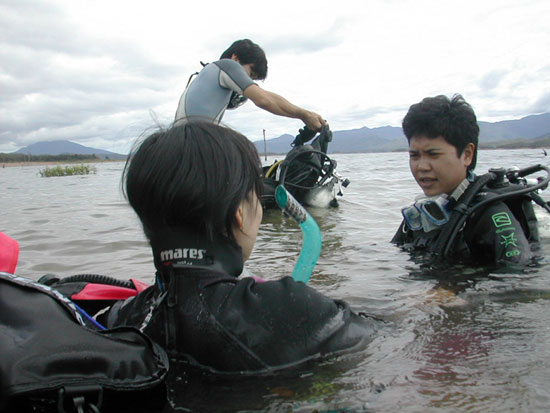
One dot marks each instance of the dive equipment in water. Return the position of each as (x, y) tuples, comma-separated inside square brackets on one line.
[(307, 172), (50, 359), (311, 246), (306, 168), (524, 186), (305, 134), (507, 183)]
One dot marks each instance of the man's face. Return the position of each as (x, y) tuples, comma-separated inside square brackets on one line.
[(249, 68), (436, 166)]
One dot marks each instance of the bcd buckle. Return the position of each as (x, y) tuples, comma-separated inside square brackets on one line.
[(77, 398)]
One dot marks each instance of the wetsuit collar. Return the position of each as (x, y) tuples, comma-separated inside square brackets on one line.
[(182, 247)]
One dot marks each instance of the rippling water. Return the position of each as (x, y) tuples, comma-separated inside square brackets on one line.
[(485, 349)]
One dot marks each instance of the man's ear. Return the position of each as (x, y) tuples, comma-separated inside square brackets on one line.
[(468, 154), (235, 58), (239, 217)]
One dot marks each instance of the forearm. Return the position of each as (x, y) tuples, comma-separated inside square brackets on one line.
[(280, 106)]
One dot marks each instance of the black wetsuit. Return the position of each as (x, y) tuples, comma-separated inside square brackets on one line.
[(498, 233), (200, 311)]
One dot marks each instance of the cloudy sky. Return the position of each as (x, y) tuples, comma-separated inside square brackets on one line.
[(103, 72)]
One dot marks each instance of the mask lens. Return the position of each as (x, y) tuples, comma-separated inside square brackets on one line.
[(435, 212), (412, 217)]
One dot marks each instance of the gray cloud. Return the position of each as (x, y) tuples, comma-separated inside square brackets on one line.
[(320, 40), (60, 83), (62, 78), (542, 105), (491, 80), (53, 78)]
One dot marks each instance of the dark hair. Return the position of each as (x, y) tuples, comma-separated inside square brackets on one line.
[(453, 119), (248, 52), (192, 176)]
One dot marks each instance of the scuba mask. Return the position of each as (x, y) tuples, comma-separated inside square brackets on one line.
[(236, 100), (429, 213)]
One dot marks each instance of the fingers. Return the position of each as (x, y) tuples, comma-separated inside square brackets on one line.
[(316, 122)]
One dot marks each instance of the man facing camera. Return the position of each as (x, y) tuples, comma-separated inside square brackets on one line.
[(454, 217)]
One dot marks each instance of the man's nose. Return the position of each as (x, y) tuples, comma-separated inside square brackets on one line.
[(424, 164)]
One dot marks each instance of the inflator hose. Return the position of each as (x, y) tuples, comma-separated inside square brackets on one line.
[(311, 246)]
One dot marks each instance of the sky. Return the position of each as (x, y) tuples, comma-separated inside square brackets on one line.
[(103, 73)]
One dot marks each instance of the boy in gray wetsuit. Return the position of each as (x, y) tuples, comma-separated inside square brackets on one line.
[(229, 82)]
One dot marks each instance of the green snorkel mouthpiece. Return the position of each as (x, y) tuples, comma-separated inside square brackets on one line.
[(311, 246)]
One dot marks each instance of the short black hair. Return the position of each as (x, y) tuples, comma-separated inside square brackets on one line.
[(453, 119), (248, 52), (192, 176)]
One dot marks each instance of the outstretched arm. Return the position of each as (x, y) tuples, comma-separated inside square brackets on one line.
[(278, 105)]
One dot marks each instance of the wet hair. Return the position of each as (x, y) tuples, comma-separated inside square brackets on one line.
[(453, 119), (192, 176), (248, 52)]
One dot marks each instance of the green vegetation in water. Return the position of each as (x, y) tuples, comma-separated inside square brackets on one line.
[(67, 171)]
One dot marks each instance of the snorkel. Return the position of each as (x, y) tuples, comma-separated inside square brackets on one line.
[(311, 246)]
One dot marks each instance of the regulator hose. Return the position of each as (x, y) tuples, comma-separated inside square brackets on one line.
[(272, 168), (311, 245)]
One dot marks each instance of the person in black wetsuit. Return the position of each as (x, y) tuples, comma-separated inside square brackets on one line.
[(196, 190), (443, 140)]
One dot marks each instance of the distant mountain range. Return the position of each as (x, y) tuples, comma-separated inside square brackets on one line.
[(531, 131), (67, 147)]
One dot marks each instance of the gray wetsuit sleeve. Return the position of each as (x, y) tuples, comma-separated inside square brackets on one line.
[(208, 95), (233, 76)]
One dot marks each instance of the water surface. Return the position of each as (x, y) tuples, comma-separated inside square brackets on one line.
[(485, 349)]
